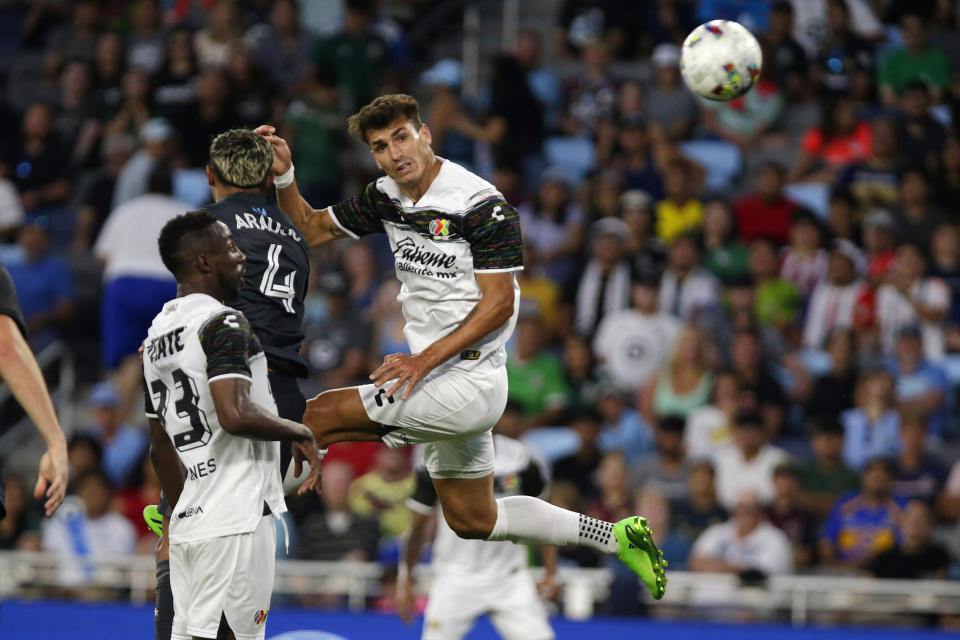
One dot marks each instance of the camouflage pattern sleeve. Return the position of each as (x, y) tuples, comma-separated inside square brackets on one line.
[(362, 214), (492, 227), (228, 342)]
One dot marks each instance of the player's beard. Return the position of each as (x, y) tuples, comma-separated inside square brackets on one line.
[(230, 286)]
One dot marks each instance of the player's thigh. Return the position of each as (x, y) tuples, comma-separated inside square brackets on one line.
[(516, 610), (248, 596), (468, 504), (200, 575), (453, 606)]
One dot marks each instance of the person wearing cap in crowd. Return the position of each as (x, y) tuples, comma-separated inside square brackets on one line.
[(123, 445), (552, 224), (921, 386), (909, 297), (748, 462), (879, 244), (836, 301), (686, 288), (633, 343), (337, 345), (157, 137), (605, 282), (670, 105), (44, 284)]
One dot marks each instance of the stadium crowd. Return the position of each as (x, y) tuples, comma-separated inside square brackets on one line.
[(741, 320)]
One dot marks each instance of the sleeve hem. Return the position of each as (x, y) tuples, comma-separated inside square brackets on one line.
[(151, 416), (506, 270), (339, 224), (419, 507), (222, 376)]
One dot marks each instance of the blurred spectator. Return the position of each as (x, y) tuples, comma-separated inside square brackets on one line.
[(743, 543), (839, 140), (615, 499), (947, 181), (388, 322), (20, 528), (34, 161), (337, 342), (211, 114), (700, 509), (175, 82), (724, 256), (108, 69), (879, 245), (580, 22), (282, 47), (624, 429), (666, 470), (864, 524), (84, 453), (920, 138), (825, 477), (921, 386), (11, 210), (521, 93), (710, 427), (157, 137), (647, 251), (602, 196), (535, 375), (832, 392), (776, 301), (786, 61), (765, 212), (553, 226), (314, 125), (919, 474), (670, 105), (591, 96), (748, 463), (656, 509), (916, 60), (813, 21), (836, 301), (748, 121), (916, 556), (85, 529), (842, 53), (360, 267), (255, 98), (945, 266), (578, 468), (221, 31), (687, 289), (542, 81), (585, 380), (334, 532), (871, 428), (875, 182), (96, 195), (75, 121), (123, 444), (632, 344), (917, 216), (136, 284), (680, 211), (804, 260), (786, 513), (539, 292), (75, 38), (948, 502), (44, 285), (605, 283), (145, 42), (841, 217), (382, 493), (635, 159), (134, 105), (684, 384), (760, 391), (357, 54)]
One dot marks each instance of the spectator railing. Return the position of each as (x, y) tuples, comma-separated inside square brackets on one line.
[(353, 584)]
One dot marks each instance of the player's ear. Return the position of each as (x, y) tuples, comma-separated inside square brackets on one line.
[(426, 133), (202, 262), (210, 175)]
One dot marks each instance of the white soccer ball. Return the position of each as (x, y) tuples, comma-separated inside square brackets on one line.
[(720, 60)]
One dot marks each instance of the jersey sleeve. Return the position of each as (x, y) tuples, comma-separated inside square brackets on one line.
[(361, 215), (424, 496), (9, 305), (492, 227), (228, 342)]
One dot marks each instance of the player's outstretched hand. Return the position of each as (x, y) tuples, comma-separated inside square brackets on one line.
[(405, 599), (309, 453), (282, 156), (406, 369), (52, 479)]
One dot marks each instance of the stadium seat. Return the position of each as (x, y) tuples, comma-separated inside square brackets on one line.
[(722, 162), (812, 195), (574, 157)]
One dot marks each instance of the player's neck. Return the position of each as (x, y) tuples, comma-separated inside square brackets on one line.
[(416, 191), (221, 191), (189, 287)]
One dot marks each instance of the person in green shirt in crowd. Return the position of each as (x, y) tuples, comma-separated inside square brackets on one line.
[(916, 60), (825, 477), (535, 376), (776, 300), (724, 256)]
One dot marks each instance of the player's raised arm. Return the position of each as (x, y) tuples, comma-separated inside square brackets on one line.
[(316, 224)]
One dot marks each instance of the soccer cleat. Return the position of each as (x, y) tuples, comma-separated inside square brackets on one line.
[(153, 518), (640, 553)]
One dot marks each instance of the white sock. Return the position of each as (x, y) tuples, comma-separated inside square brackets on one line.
[(526, 520)]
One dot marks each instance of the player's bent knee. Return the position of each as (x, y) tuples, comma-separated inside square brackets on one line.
[(321, 414), (471, 525)]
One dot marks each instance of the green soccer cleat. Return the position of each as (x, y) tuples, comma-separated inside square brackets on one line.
[(153, 518), (641, 555)]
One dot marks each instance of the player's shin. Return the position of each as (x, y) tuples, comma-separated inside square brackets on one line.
[(527, 520)]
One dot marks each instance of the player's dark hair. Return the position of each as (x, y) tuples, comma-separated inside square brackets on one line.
[(241, 158), (173, 233), (381, 112)]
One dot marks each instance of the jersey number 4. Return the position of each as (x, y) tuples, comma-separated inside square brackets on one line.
[(269, 284), (187, 408)]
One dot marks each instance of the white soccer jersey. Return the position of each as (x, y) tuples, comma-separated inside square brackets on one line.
[(193, 341), (516, 472), (460, 227)]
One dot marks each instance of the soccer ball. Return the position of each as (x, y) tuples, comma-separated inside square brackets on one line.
[(720, 60)]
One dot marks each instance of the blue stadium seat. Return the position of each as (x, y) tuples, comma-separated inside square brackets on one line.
[(722, 162)]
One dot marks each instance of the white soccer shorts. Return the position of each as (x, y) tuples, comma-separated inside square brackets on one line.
[(513, 604), (232, 575), (451, 412)]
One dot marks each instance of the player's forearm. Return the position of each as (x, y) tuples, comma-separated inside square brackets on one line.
[(315, 225), (416, 539), (20, 371), (491, 312), (254, 422), (166, 462)]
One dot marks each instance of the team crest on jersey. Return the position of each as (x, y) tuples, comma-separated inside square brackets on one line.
[(440, 227), (260, 616)]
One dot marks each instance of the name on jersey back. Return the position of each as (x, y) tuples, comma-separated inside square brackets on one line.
[(264, 223)]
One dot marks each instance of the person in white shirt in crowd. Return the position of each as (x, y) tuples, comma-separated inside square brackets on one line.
[(687, 288), (834, 302), (907, 298), (135, 282), (710, 428), (748, 463), (634, 343), (745, 542)]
